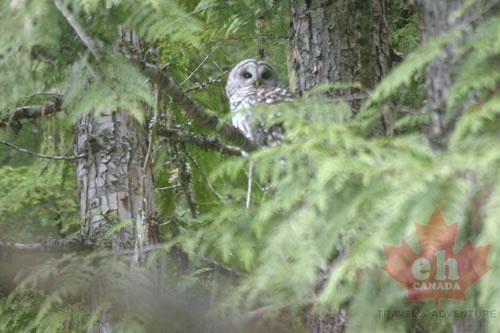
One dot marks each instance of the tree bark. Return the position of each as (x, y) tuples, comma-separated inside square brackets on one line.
[(113, 188), (435, 20), (339, 42), (343, 41), (111, 181)]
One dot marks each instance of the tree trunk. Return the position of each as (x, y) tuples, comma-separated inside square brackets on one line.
[(435, 20), (345, 42), (438, 73), (113, 187), (111, 184)]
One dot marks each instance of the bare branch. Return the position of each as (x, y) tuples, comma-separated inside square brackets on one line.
[(32, 111), (184, 177), (41, 94), (50, 157), (51, 245), (204, 176), (216, 79), (204, 141), (201, 64), (78, 29), (208, 120), (195, 70)]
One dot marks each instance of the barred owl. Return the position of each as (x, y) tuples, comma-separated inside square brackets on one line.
[(255, 82)]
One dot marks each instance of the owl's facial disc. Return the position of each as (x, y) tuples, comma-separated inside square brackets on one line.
[(266, 75), (249, 75)]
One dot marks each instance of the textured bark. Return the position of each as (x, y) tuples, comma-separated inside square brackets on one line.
[(113, 188), (110, 181), (346, 42), (343, 41), (434, 22), (440, 72)]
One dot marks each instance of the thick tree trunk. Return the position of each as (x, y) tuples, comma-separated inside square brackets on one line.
[(438, 73), (111, 184), (435, 20), (346, 42), (113, 187), (343, 41)]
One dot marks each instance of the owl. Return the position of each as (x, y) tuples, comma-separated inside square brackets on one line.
[(255, 82)]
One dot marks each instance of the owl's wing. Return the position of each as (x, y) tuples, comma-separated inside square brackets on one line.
[(251, 125), (241, 120), (252, 128), (276, 132), (273, 95)]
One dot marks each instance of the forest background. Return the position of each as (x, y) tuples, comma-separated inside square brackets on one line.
[(123, 184)]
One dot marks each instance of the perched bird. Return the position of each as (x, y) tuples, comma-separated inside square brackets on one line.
[(249, 83), (255, 82)]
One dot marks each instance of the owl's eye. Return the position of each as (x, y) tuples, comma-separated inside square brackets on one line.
[(247, 75), (266, 75)]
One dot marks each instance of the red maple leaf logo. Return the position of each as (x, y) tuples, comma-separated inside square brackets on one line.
[(436, 272)]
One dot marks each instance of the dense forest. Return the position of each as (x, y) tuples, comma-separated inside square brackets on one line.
[(130, 203)]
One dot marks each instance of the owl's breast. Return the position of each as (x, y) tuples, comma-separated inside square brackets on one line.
[(273, 95), (242, 98)]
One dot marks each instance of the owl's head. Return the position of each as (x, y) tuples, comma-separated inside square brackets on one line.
[(251, 74)]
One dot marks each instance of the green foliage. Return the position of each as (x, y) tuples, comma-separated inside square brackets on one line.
[(73, 284), (118, 83), (403, 27), (19, 313), (330, 193), (32, 206)]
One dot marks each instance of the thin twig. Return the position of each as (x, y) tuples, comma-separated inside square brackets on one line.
[(154, 128), (184, 177), (50, 157), (210, 186), (78, 29), (142, 226), (216, 79), (201, 64), (196, 69), (171, 187), (249, 188)]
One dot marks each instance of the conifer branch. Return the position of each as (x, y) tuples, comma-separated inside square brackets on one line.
[(205, 84), (203, 141), (201, 64), (204, 176), (50, 245), (89, 43), (32, 111), (208, 120), (50, 157)]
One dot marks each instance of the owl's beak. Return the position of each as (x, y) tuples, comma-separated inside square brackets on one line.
[(256, 83)]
